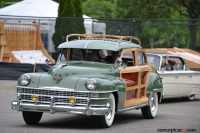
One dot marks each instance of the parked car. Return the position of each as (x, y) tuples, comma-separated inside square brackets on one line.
[(179, 82), (96, 75)]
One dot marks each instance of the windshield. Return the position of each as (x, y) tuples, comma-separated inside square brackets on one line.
[(94, 55), (154, 60)]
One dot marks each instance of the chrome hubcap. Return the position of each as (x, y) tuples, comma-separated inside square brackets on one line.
[(153, 104), (109, 115)]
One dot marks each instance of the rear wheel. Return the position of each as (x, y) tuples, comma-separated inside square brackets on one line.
[(107, 120), (150, 111), (32, 118)]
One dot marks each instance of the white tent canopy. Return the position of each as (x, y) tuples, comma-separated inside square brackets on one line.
[(39, 8), (33, 8)]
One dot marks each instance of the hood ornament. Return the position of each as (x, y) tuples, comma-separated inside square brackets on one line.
[(57, 78)]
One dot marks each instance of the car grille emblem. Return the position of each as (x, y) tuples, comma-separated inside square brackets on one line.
[(57, 78)]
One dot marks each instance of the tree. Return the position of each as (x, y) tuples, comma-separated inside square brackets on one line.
[(65, 23), (78, 13), (162, 9), (98, 8), (144, 9), (62, 27), (56, 1), (190, 9)]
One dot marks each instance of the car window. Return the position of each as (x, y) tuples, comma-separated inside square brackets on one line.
[(103, 53), (153, 60), (178, 63), (127, 58), (141, 59), (74, 54)]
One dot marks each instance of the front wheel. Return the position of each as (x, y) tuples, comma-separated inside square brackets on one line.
[(107, 120), (150, 111), (31, 118)]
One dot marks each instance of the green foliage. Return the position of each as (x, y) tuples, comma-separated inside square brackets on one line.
[(156, 19), (142, 9), (65, 23), (190, 9), (78, 13), (4, 3), (98, 8), (78, 10), (165, 33), (56, 1), (163, 36)]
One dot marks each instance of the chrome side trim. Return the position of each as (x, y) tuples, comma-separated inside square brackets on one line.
[(182, 83), (131, 108), (157, 90), (99, 98)]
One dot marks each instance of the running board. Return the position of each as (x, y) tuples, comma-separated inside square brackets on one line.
[(131, 108)]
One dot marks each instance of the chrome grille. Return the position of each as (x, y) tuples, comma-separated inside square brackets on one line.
[(60, 97), (54, 93)]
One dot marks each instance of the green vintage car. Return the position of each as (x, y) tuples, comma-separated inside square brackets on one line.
[(95, 75)]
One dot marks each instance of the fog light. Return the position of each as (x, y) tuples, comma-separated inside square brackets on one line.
[(34, 97), (72, 100)]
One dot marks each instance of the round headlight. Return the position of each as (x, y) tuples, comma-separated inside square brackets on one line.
[(25, 79), (90, 84)]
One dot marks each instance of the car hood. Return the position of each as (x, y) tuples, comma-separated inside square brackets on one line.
[(68, 75)]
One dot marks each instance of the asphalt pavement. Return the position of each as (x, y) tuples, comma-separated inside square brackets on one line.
[(174, 115)]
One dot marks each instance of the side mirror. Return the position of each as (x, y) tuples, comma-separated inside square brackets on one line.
[(119, 63), (124, 65)]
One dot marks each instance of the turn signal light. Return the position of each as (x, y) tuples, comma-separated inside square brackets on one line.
[(34, 97), (72, 100)]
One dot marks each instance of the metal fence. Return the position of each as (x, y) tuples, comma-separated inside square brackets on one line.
[(153, 33)]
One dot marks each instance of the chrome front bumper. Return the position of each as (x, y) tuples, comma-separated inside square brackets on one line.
[(40, 107)]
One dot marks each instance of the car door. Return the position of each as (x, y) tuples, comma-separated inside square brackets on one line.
[(188, 80), (170, 81), (135, 76), (170, 84)]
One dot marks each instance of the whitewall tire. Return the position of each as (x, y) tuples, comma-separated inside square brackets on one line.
[(150, 111), (107, 120)]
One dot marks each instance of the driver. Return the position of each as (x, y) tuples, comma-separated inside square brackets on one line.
[(169, 64)]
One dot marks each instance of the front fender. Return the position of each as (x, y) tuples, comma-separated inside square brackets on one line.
[(35, 79), (103, 84)]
